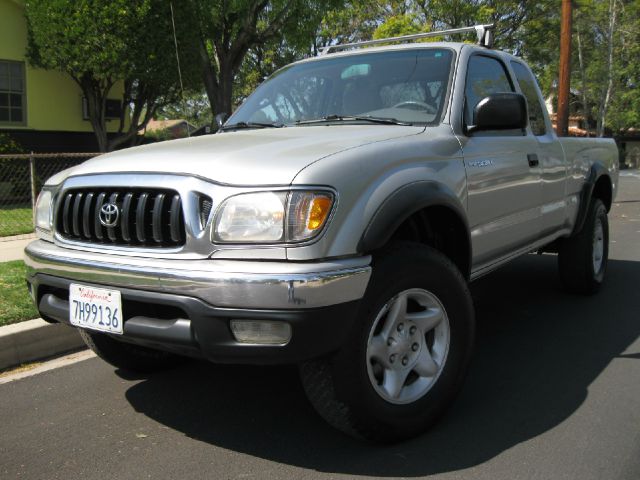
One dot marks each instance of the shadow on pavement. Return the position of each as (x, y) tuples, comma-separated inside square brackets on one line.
[(538, 350)]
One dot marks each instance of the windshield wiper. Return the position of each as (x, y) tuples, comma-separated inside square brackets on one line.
[(356, 118), (243, 125)]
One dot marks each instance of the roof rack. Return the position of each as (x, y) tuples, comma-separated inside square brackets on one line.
[(484, 33)]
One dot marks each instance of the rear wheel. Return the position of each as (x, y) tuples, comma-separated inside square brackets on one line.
[(582, 259), (133, 358), (408, 353)]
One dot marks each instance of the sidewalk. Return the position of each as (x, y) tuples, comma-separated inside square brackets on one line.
[(12, 248)]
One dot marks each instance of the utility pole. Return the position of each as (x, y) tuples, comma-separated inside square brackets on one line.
[(564, 82)]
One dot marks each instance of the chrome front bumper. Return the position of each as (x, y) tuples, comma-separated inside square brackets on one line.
[(221, 283)]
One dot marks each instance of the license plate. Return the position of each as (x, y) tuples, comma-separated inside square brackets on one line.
[(95, 308)]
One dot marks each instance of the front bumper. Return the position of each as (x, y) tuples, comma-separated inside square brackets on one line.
[(185, 306)]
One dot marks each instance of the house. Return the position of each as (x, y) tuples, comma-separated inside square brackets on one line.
[(41, 109)]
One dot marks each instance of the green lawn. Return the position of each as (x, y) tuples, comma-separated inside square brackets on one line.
[(15, 221), (15, 302)]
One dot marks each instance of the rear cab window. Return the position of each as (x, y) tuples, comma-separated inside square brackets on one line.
[(527, 83)]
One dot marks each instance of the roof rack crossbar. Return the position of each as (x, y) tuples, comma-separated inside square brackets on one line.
[(483, 32)]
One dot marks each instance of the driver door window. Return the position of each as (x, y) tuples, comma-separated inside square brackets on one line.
[(485, 75)]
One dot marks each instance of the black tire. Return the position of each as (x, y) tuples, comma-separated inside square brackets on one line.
[(129, 357), (576, 254), (341, 388)]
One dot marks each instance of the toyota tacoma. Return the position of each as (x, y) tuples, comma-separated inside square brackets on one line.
[(334, 222)]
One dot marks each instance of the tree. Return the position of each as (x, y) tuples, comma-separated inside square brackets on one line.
[(230, 29), (396, 25), (100, 43), (353, 21), (624, 113), (606, 70), (193, 107)]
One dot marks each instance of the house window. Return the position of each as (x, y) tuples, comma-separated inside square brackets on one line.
[(113, 109), (12, 92)]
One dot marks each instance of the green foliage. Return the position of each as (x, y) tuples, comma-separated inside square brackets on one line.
[(159, 135), (352, 21), (194, 108), (233, 31), (396, 25), (84, 37), (99, 43), (9, 145), (15, 303), (235, 44), (624, 111)]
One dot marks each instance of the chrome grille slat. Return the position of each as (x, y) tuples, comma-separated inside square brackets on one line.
[(149, 217), (76, 214), (176, 209), (65, 213), (96, 216), (156, 217), (86, 215), (126, 217), (140, 211)]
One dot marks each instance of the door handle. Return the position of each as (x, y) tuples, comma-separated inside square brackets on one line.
[(533, 160)]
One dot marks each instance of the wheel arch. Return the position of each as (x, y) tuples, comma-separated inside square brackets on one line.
[(427, 212), (598, 185)]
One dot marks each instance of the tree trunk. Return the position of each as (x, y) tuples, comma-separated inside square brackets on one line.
[(209, 78), (95, 105), (606, 98), (224, 98), (95, 93)]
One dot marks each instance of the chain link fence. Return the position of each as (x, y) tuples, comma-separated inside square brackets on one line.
[(21, 178)]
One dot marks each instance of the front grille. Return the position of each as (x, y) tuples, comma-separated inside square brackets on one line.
[(143, 217)]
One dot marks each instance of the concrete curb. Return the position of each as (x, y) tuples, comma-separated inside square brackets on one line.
[(35, 340)]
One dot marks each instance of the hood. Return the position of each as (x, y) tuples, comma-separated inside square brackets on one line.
[(248, 157)]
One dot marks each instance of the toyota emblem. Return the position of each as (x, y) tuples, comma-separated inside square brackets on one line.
[(109, 215)]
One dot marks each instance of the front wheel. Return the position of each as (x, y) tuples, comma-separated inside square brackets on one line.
[(408, 353)]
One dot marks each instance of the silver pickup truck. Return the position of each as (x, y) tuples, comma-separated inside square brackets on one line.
[(334, 222)]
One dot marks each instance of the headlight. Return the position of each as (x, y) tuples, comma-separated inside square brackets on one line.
[(43, 213), (272, 217), (254, 217)]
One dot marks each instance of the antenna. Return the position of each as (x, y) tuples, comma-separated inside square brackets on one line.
[(175, 42), (484, 33)]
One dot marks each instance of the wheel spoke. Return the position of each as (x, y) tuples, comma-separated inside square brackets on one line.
[(394, 381), (378, 350), (396, 314), (425, 366), (426, 320)]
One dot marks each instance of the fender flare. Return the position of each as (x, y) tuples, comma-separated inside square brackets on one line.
[(596, 172), (403, 203)]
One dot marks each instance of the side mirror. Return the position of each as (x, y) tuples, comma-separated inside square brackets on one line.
[(500, 111), (220, 118)]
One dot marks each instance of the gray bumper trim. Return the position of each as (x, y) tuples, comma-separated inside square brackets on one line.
[(221, 283)]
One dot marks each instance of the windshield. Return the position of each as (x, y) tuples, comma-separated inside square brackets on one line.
[(407, 86)]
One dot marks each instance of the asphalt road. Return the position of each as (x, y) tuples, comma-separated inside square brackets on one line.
[(553, 393)]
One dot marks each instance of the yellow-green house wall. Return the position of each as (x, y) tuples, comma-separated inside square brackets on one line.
[(53, 99)]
